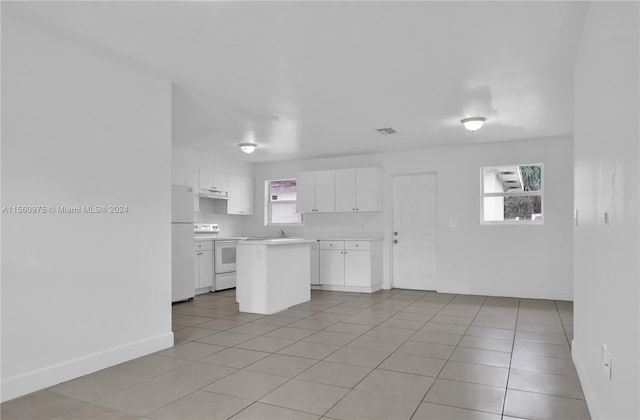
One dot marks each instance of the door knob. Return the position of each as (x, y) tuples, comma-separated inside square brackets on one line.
[(395, 241)]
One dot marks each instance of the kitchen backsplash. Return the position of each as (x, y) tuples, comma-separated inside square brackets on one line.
[(230, 225)]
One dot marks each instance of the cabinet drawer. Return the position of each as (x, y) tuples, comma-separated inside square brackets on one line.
[(204, 246), (357, 245), (332, 245)]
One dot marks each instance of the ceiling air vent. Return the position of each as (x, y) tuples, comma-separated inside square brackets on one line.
[(386, 131)]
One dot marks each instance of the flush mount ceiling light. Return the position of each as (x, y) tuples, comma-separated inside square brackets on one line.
[(473, 123), (248, 147)]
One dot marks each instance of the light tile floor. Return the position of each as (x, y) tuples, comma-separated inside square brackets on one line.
[(394, 354)]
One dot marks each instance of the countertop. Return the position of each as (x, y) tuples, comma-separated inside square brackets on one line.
[(253, 239), (336, 238), (277, 241)]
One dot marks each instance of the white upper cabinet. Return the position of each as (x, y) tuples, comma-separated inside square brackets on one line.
[(240, 195), (343, 190), (346, 190), (206, 179), (368, 189), (221, 181), (213, 180), (325, 191), (316, 192), (306, 192), (178, 174), (234, 203), (248, 186), (358, 190)]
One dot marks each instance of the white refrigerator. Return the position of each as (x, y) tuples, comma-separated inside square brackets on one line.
[(182, 244)]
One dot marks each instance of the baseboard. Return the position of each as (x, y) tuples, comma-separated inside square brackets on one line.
[(35, 380), (587, 389), (357, 289), (525, 294)]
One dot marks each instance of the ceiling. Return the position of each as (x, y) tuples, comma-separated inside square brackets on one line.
[(315, 79)]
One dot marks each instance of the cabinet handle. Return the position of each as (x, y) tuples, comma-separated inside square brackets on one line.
[(395, 241), (353, 209), (356, 209)]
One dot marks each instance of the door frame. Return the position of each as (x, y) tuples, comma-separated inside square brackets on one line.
[(391, 225)]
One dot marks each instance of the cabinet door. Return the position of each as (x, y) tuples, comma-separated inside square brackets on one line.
[(332, 267), (306, 192), (196, 277), (206, 269), (234, 203), (178, 174), (346, 190), (247, 195), (357, 268), (367, 189), (191, 177), (315, 263), (206, 179), (325, 191), (221, 181)]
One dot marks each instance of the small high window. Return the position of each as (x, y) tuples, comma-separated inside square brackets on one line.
[(280, 203), (512, 194)]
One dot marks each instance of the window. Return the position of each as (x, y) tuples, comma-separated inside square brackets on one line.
[(512, 194), (280, 203)]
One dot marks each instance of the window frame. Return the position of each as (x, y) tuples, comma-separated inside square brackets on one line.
[(267, 203), (539, 192)]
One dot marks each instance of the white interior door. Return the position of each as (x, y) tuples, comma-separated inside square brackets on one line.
[(414, 231)]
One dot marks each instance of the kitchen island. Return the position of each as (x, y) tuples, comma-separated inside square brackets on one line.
[(272, 274)]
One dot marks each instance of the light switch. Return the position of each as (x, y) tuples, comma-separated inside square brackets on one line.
[(452, 223)]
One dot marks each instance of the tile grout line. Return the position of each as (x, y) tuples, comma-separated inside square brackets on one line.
[(378, 365), (513, 343)]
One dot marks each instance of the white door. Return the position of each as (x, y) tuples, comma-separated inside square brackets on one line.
[(414, 231)]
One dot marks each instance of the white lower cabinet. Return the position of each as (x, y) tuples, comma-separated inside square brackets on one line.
[(351, 265), (315, 265), (203, 280), (331, 267)]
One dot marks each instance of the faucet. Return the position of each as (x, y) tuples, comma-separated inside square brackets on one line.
[(281, 232)]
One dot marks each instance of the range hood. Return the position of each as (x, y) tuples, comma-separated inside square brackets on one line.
[(213, 194)]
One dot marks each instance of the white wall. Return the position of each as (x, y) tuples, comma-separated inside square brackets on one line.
[(230, 225), (81, 292), (523, 261), (606, 258)]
